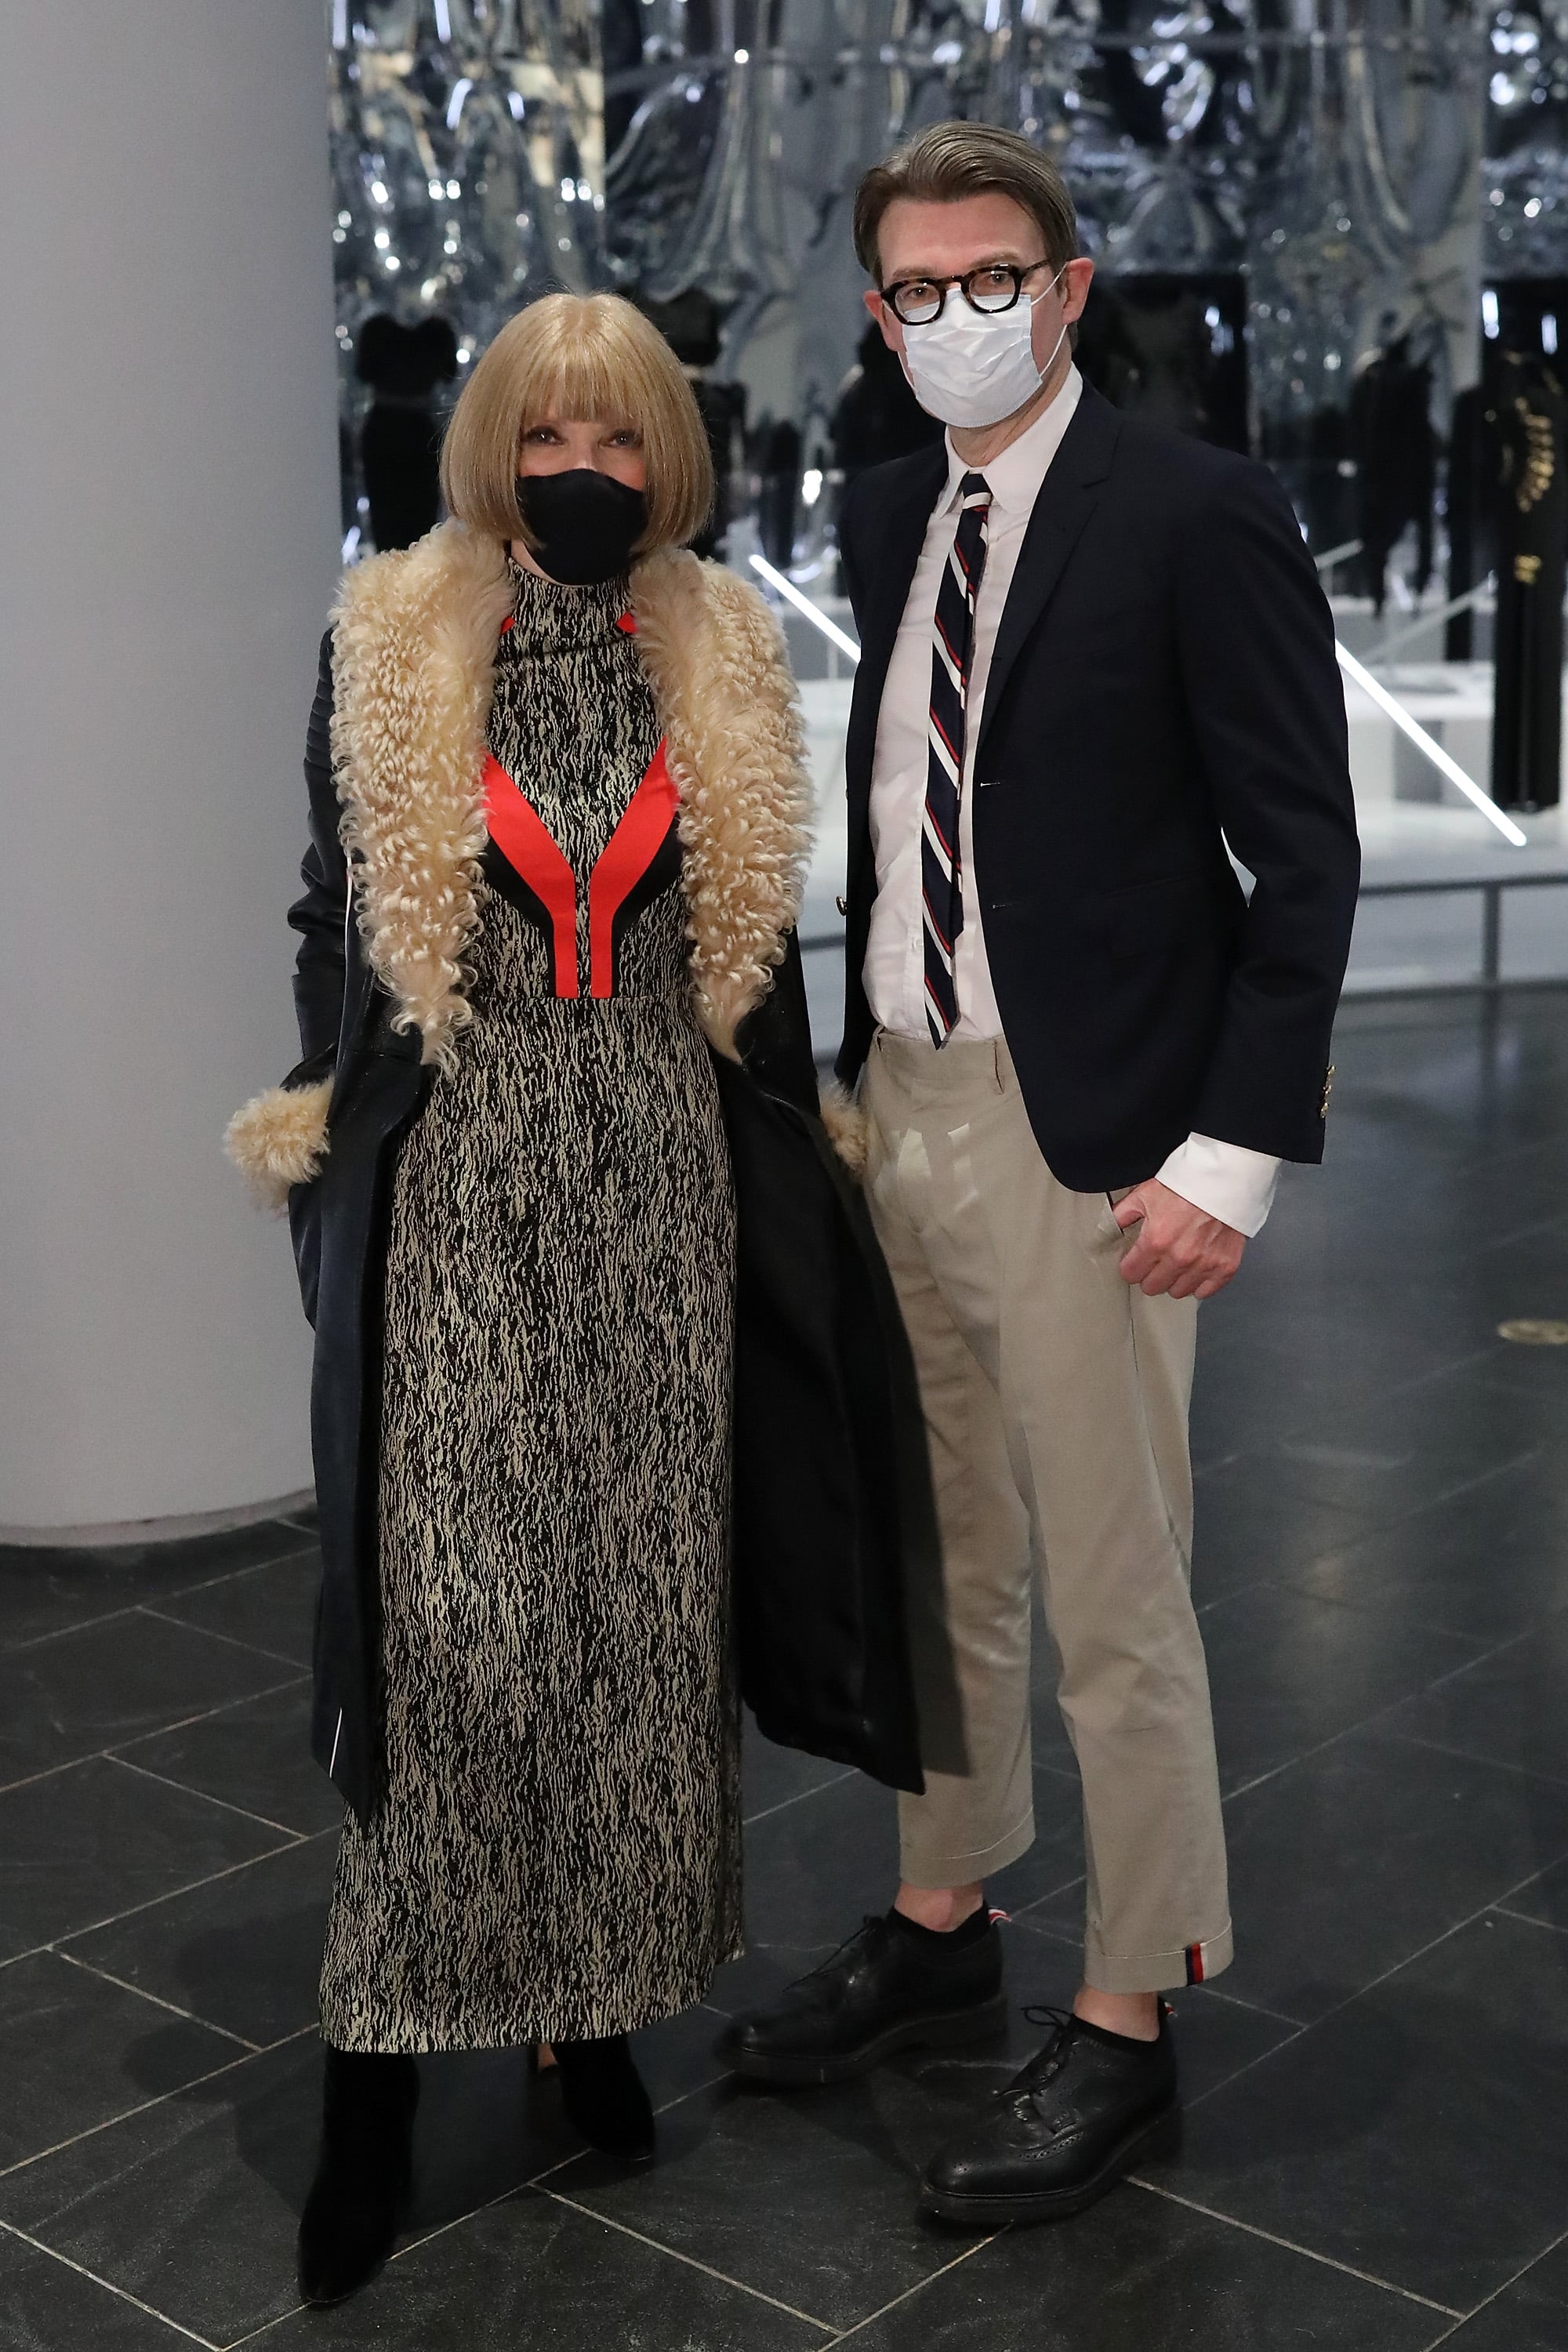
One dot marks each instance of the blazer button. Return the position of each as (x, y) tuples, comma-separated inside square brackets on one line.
[(842, 909)]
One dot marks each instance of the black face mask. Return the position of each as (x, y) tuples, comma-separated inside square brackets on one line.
[(584, 523)]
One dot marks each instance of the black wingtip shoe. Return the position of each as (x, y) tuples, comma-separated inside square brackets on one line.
[(1083, 2112), (891, 1987)]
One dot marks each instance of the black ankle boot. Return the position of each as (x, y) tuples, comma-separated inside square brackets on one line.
[(603, 2097), (350, 2222)]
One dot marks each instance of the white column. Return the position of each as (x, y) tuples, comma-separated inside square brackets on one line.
[(167, 419)]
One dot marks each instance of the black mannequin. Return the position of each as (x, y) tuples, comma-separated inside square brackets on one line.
[(1395, 455), (400, 439), (1470, 502), (1529, 421), (690, 324)]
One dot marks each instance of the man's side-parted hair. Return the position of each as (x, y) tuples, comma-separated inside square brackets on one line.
[(578, 357), (966, 159)]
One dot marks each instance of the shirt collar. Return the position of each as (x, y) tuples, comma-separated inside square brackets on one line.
[(1017, 475)]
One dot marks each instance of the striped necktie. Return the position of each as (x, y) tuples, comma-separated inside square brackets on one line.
[(941, 881)]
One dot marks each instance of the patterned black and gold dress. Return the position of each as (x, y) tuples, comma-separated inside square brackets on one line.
[(557, 1851)]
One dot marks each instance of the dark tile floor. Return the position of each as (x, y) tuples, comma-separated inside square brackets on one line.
[(1375, 2158)]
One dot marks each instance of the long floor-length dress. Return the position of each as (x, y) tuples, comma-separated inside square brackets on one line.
[(557, 1850)]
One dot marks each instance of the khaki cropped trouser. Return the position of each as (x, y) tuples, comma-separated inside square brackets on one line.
[(1056, 1398)]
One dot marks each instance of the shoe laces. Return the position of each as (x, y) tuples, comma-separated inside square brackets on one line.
[(1047, 2062), (825, 1968)]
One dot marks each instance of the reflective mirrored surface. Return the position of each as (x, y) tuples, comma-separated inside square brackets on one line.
[(1275, 190)]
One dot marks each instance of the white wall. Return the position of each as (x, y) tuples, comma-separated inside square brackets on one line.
[(167, 557)]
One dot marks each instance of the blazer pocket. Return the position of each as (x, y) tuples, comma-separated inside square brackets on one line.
[(1156, 914)]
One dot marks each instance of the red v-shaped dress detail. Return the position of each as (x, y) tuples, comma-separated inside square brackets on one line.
[(538, 866)]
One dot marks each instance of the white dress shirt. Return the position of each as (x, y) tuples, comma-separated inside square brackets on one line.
[(1225, 1180)]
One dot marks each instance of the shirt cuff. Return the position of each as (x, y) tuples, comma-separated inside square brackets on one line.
[(1225, 1180)]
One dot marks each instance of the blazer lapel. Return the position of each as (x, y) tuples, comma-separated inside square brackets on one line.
[(889, 562), (1068, 495)]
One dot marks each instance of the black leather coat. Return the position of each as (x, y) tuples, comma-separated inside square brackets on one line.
[(832, 1513)]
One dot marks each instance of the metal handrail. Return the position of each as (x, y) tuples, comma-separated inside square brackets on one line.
[(1491, 888), (1489, 979), (1427, 745), (1472, 600)]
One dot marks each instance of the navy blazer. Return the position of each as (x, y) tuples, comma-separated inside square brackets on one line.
[(1163, 683)]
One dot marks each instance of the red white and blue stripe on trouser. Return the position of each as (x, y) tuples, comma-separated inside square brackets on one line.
[(952, 643)]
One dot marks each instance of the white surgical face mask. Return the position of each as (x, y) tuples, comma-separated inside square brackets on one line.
[(972, 368)]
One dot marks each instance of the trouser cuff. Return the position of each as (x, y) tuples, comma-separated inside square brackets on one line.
[(920, 1865), (1189, 1964)]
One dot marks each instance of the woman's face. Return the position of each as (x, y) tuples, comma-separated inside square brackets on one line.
[(561, 444)]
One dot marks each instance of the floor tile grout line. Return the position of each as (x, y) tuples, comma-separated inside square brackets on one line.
[(1494, 1650), (211, 1634), (1525, 1919), (1433, 1503), (159, 1731), (1368, 2278), (919, 2287), (1497, 1763), (1407, 1623), (90, 1968), (265, 1820), (504, 2197), (301, 1674), (1495, 1904), (675, 2254), (1524, 2271), (1049, 1895), (1397, 1389), (248, 1567), (108, 2286), (172, 1895), (1239, 2001), (749, 1820), (1392, 1388), (409, 2246), (130, 1608), (1367, 1723), (1381, 1528), (63, 1632), (145, 2106), (575, 2155)]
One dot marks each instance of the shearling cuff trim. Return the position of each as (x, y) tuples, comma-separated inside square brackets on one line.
[(279, 1139), (848, 1128)]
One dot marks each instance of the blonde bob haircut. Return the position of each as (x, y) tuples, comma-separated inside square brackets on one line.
[(576, 358)]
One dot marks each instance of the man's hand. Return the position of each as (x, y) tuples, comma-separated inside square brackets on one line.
[(1180, 1251)]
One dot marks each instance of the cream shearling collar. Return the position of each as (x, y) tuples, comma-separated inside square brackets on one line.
[(413, 669), (414, 666)]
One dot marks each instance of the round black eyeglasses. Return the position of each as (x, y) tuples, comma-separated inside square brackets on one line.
[(918, 301)]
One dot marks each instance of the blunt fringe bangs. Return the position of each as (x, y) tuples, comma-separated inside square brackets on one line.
[(950, 160), (574, 357)]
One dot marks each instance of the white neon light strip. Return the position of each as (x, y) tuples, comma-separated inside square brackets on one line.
[(814, 613), (1352, 668), (1432, 749)]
